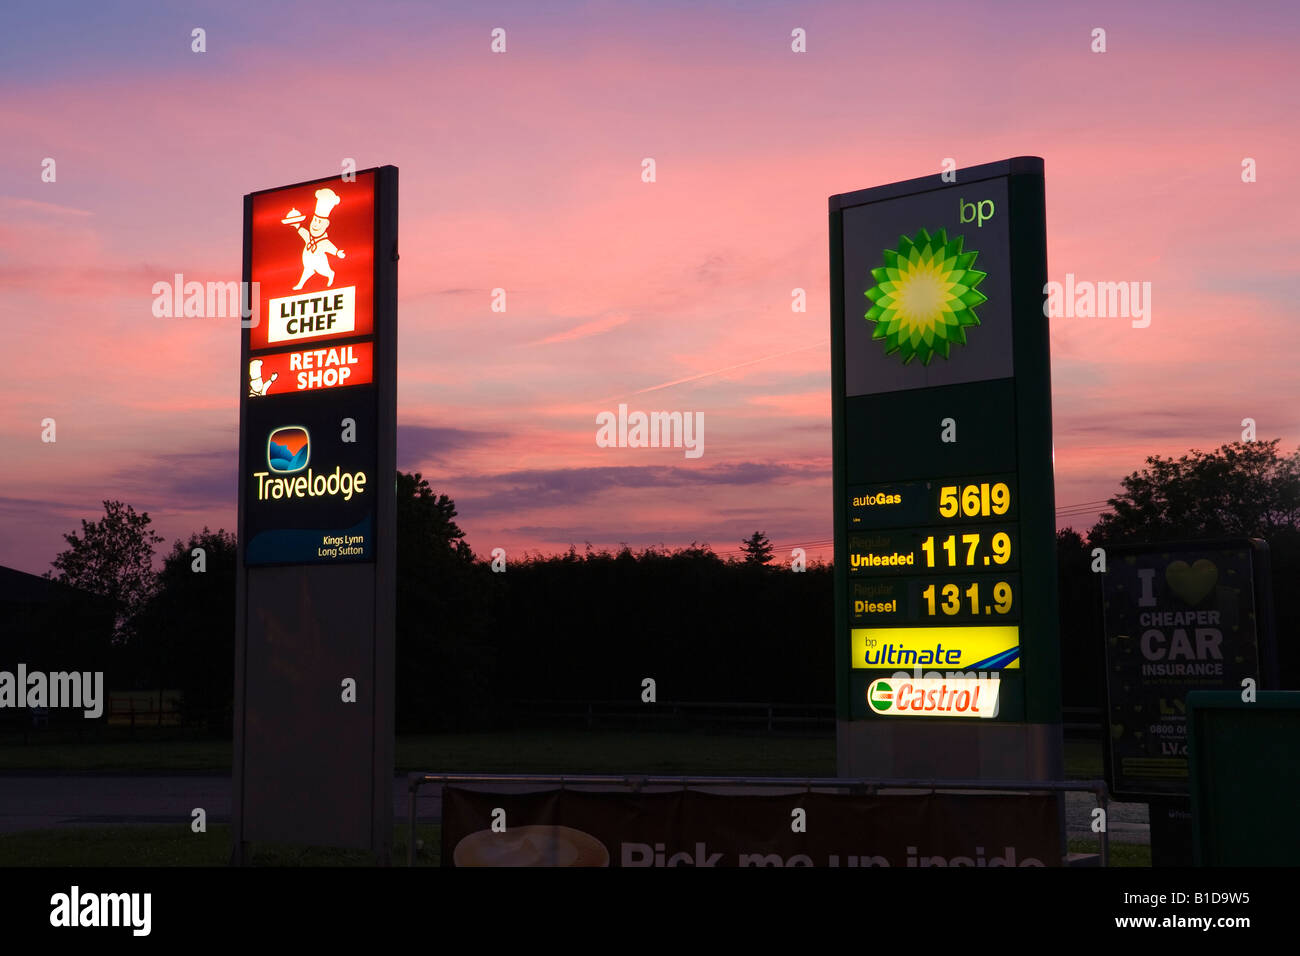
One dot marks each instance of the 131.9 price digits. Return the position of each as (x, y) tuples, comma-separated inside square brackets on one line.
[(952, 596)]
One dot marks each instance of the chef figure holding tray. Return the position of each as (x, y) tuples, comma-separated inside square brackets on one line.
[(316, 243)]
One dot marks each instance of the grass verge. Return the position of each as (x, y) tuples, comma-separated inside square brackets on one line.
[(178, 846)]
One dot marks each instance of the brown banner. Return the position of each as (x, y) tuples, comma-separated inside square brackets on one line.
[(688, 828)]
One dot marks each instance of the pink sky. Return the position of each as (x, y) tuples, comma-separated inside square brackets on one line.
[(522, 171)]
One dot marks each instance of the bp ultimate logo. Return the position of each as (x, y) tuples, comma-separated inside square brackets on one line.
[(924, 296)]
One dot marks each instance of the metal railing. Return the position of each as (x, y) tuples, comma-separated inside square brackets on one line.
[(1085, 721), (869, 786), (773, 716)]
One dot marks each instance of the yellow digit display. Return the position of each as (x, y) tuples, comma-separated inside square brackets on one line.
[(968, 550), (955, 600), (982, 500)]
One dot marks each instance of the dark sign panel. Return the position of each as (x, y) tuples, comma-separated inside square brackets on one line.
[(1244, 774), (944, 515), (1179, 617), (310, 492)]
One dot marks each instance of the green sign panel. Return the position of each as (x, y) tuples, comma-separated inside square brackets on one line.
[(1244, 774), (945, 561)]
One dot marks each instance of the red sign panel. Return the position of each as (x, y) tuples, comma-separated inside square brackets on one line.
[(313, 262), (306, 370)]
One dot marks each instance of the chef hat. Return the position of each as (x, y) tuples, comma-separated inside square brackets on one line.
[(326, 200)]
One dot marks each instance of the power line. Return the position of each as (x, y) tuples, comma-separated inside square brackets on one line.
[(1076, 510)]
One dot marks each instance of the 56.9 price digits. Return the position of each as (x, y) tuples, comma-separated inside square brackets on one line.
[(982, 500)]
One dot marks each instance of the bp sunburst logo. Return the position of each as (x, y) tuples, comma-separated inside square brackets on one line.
[(925, 296)]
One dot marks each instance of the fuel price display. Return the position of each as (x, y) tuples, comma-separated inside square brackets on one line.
[(945, 527)]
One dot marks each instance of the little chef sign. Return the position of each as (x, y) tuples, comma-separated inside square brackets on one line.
[(313, 262)]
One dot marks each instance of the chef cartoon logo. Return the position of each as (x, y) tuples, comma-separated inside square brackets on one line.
[(316, 244), (258, 386)]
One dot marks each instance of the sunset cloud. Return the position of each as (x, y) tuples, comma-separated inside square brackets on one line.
[(522, 172)]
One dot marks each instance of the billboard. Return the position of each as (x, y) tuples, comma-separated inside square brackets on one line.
[(1179, 617), (317, 473), (945, 562), (692, 828)]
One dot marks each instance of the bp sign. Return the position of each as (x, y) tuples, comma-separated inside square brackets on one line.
[(945, 564), (317, 471)]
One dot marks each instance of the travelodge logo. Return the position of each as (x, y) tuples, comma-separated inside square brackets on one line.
[(288, 449)]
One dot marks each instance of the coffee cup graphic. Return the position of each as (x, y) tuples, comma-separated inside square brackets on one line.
[(534, 845)]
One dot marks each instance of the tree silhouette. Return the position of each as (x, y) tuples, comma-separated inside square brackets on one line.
[(187, 628), (758, 550), (446, 606), (427, 531), (114, 559), (1082, 660), (1242, 488)]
